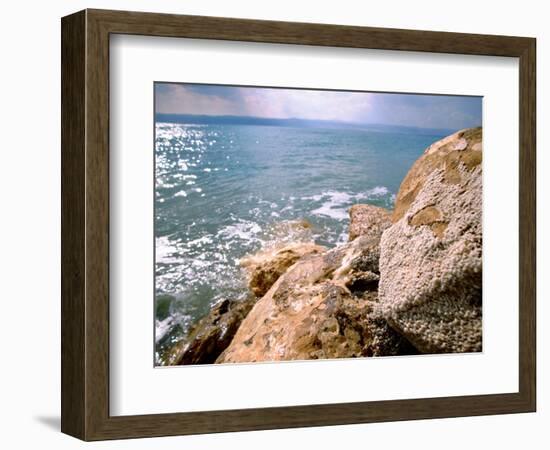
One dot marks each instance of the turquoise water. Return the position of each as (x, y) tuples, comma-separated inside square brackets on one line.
[(222, 190)]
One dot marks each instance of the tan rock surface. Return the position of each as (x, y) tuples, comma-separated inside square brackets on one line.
[(298, 317), (265, 267)]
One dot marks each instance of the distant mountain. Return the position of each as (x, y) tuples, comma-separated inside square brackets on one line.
[(293, 122)]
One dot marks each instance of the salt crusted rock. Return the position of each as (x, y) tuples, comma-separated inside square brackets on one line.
[(430, 286), (368, 219)]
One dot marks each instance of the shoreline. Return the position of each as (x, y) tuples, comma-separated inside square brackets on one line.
[(379, 293)]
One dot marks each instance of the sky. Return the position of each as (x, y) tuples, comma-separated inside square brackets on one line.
[(425, 111)]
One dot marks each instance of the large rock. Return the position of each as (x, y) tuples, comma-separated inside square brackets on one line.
[(321, 307), (211, 335), (430, 264), (384, 340), (299, 316), (265, 267), (459, 151), (368, 219)]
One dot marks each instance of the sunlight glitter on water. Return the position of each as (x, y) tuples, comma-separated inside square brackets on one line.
[(223, 192)]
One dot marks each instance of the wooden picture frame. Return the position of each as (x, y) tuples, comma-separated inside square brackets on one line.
[(85, 224)]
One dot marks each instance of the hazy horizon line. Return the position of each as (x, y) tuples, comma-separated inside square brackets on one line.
[(257, 120)]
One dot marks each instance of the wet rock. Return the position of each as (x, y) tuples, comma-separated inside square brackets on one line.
[(211, 335), (430, 287)]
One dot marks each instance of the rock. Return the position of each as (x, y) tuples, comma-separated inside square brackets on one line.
[(320, 308), (290, 231), (265, 267), (430, 287), (450, 152), (368, 219), (299, 316), (358, 268), (211, 335), (384, 340)]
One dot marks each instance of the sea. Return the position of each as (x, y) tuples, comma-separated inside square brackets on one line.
[(225, 191)]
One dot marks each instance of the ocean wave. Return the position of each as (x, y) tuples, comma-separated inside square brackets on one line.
[(166, 251), (164, 327), (330, 209), (199, 242), (245, 230), (336, 203), (374, 192)]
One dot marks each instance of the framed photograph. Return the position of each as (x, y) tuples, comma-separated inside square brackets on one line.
[(271, 225)]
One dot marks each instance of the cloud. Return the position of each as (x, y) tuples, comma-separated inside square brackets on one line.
[(306, 104), (429, 111), (433, 111), (179, 99)]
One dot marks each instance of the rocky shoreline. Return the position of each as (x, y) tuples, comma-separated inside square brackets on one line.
[(408, 281)]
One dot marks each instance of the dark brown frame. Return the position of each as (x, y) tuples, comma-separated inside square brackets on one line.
[(85, 224)]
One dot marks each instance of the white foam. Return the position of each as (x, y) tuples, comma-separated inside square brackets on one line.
[(245, 230), (165, 250), (162, 327), (377, 191), (329, 211), (206, 239), (337, 202), (333, 206)]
